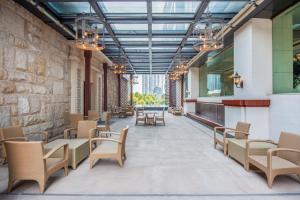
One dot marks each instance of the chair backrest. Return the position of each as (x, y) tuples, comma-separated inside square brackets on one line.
[(243, 127), (92, 115), (19, 164), (122, 139), (291, 141), (84, 126), (11, 132), (139, 111), (106, 116), (75, 118)]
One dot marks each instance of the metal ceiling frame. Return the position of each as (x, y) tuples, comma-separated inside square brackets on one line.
[(130, 49), (199, 13), (100, 14)]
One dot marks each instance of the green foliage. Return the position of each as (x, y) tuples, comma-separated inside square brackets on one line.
[(148, 99)]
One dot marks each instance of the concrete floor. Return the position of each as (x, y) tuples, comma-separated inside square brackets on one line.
[(176, 161)]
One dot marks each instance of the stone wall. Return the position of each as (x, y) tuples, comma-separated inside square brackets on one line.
[(41, 74), (112, 89), (34, 72)]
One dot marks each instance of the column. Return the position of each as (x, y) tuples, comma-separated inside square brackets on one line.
[(131, 89), (87, 82), (119, 89), (105, 66)]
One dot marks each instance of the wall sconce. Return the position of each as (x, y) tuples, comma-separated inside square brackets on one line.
[(237, 79)]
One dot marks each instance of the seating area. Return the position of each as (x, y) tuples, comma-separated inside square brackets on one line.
[(201, 169), (149, 99)]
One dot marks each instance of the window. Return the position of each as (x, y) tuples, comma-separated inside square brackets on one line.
[(286, 51), (215, 74)]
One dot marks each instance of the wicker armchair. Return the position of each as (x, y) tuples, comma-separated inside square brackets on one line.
[(160, 118), (279, 161), (140, 116), (71, 119), (16, 132), (105, 126), (93, 115), (84, 129), (27, 161), (240, 132), (113, 148)]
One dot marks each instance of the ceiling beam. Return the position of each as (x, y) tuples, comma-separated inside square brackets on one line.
[(100, 14), (199, 13), (149, 19), (69, 19)]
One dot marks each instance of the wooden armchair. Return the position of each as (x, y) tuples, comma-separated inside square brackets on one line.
[(93, 115), (240, 132), (105, 126), (279, 161), (71, 119), (140, 116), (113, 148), (84, 130), (160, 118), (177, 111), (129, 110), (27, 161), (16, 132)]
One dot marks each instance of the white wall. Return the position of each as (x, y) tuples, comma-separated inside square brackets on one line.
[(284, 114), (253, 61), (193, 82), (253, 58)]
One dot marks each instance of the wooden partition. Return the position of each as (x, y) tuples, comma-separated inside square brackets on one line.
[(213, 112)]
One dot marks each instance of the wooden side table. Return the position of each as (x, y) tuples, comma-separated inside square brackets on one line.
[(78, 150)]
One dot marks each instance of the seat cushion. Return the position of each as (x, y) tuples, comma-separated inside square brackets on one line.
[(106, 148), (277, 162)]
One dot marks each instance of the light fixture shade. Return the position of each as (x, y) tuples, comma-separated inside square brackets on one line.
[(89, 33), (206, 30), (237, 80)]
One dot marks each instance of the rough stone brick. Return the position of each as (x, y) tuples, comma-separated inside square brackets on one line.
[(35, 104), (3, 73), (23, 105), (7, 87), (58, 87), (21, 59), (10, 99), (5, 116)]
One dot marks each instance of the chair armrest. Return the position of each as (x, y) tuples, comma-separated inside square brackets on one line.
[(67, 132), (113, 133), (45, 133), (65, 146), (233, 131), (92, 133), (104, 139), (270, 153)]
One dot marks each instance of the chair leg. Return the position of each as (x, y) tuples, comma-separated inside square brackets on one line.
[(91, 163), (10, 185), (225, 149), (120, 161), (124, 156), (270, 180), (42, 184), (66, 170)]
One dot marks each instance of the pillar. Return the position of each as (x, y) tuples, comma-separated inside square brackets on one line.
[(87, 82), (105, 67), (119, 89), (131, 89)]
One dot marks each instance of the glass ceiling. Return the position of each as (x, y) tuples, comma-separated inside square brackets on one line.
[(130, 25)]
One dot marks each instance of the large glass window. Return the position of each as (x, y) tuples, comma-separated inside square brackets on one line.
[(215, 74), (286, 51)]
